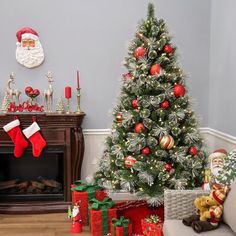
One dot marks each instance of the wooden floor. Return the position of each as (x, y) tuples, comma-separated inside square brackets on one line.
[(37, 225)]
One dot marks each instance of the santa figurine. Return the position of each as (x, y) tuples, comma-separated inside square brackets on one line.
[(29, 51), (216, 164), (76, 220)]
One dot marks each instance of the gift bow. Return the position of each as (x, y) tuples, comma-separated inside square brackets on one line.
[(101, 205), (84, 186), (120, 222), (153, 219)]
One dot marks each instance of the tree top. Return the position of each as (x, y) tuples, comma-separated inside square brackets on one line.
[(151, 9)]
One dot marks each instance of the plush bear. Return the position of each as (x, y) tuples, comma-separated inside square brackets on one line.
[(201, 205), (209, 210)]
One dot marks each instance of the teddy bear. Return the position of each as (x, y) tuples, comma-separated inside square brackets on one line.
[(209, 210), (209, 207)]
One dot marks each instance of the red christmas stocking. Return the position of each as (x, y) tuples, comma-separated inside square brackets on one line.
[(34, 136), (14, 131)]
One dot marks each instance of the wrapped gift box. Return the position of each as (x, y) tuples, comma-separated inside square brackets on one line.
[(81, 194), (121, 227), (101, 215), (135, 211), (152, 228)]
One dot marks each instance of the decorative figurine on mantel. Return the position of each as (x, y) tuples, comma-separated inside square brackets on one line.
[(5, 103), (60, 108), (12, 92), (29, 51), (48, 94)]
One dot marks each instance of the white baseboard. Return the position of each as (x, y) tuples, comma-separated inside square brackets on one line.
[(94, 145)]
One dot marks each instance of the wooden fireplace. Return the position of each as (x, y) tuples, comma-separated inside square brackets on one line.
[(62, 157)]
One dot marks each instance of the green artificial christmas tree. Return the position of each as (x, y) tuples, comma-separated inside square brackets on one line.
[(228, 174), (155, 143)]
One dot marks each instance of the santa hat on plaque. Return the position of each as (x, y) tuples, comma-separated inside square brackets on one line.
[(29, 51)]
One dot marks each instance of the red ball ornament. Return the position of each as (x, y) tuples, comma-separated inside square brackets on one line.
[(139, 127), (129, 161), (36, 92), (168, 48), (28, 90), (145, 151), (165, 104), (192, 151), (134, 103), (127, 76), (155, 69), (168, 167), (119, 117), (140, 52), (179, 90)]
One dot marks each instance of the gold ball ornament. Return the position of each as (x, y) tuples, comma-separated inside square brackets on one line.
[(130, 161), (119, 117), (166, 142)]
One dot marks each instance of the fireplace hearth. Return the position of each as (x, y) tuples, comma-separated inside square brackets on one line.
[(41, 185)]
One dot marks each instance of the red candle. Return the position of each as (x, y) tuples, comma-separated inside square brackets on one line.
[(78, 81), (67, 92)]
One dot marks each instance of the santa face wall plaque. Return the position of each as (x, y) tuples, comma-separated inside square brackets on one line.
[(29, 51)]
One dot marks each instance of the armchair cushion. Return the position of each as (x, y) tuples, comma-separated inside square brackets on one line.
[(229, 215), (177, 228)]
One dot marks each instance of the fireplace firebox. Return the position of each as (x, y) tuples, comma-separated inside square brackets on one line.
[(41, 185)]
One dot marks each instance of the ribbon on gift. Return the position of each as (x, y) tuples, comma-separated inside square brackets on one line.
[(82, 186), (100, 205), (153, 219), (122, 222), (103, 206)]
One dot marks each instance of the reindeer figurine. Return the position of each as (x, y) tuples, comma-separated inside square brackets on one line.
[(48, 93), (12, 92)]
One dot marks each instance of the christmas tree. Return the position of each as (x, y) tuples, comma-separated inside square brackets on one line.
[(228, 174), (5, 103), (155, 143), (60, 108)]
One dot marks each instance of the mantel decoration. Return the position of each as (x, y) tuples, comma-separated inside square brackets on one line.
[(48, 93), (29, 51), (14, 94), (11, 100), (78, 93)]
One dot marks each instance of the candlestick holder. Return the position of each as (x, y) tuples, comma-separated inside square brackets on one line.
[(78, 101), (68, 106)]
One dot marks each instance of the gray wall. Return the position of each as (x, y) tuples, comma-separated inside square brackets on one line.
[(222, 109), (93, 36)]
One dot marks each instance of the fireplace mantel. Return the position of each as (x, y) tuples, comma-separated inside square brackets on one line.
[(57, 129)]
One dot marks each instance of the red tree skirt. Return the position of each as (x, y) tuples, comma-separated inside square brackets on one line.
[(135, 211)]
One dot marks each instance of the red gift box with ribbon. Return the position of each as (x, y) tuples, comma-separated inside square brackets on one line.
[(82, 193), (152, 226), (101, 215), (121, 227)]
